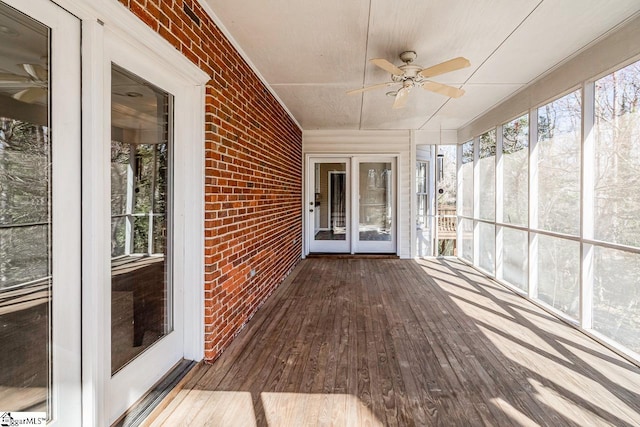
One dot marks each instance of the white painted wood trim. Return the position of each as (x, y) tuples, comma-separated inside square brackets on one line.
[(533, 203), (476, 201), (499, 204), (587, 198), (66, 266), (94, 271), (459, 188), (194, 207)]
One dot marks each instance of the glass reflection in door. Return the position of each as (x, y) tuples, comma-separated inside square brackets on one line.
[(330, 220), (375, 202), (25, 215), (141, 116)]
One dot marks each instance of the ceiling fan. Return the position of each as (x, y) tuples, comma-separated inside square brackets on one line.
[(35, 83), (411, 76)]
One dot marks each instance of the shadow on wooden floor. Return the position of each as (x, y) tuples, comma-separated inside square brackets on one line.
[(403, 342)]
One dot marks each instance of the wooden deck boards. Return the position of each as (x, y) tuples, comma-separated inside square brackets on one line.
[(384, 342)]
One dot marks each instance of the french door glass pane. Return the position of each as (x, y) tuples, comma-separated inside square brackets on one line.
[(330, 201), (25, 214), (375, 218), (141, 117)]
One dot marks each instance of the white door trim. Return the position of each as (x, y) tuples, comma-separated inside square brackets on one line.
[(111, 32)]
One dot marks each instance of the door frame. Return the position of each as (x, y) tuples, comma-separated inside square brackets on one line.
[(352, 163), (110, 31)]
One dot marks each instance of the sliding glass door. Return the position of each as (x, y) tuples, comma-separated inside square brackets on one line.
[(39, 213)]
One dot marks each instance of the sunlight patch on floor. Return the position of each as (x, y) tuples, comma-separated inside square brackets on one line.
[(519, 419), (295, 409)]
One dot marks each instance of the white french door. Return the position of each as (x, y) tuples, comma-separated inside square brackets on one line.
[(350, 204), (144, 306), (376, 213), (40, 239), (328, 210)]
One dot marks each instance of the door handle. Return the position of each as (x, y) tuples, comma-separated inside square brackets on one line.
[(310, 210)]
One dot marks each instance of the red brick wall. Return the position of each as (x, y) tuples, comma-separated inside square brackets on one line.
[(253, 173)]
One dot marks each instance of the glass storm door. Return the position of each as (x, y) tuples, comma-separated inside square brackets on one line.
[(39, 213), (328, 215), (376, 206)]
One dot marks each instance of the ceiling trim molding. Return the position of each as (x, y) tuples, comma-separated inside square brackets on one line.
[(207, 8)]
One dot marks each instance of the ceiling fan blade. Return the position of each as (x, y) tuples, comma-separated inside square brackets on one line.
[(442, 89), (372, 87), (445, 67), (387, 66), (13, 78), (31, 95), (36, 71), (401, 97)]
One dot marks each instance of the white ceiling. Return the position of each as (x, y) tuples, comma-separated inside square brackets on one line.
[(311, 52)]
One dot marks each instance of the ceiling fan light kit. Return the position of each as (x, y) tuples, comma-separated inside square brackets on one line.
[(410, 76)]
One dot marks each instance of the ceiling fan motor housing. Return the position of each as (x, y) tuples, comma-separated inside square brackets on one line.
[(408, 56)]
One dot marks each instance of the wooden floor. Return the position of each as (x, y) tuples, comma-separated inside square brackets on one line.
[(377, 342)]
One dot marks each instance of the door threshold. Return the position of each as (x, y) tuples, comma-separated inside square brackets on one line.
[(352, 256), (164, 389)]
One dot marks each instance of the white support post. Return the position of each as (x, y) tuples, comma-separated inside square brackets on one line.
[(459, 189), (476, 200), (533, 203), (499, 204), (413, 208), (588, 203)]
